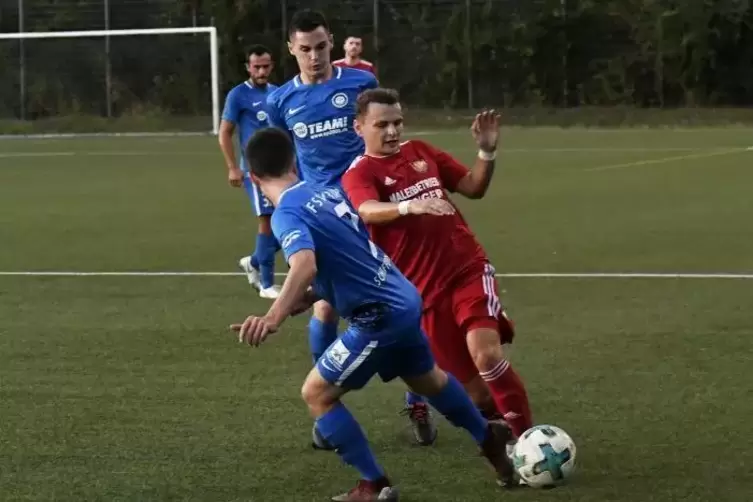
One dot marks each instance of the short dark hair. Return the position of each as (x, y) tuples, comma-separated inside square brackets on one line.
[(306, 21), (380, 96), (257, 50), (269, 153)]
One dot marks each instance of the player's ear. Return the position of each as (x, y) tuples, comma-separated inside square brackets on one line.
[(290, 48), (254, 178), (358, 126)]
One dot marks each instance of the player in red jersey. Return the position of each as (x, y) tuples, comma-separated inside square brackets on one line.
[(399, 190), (353, 47)]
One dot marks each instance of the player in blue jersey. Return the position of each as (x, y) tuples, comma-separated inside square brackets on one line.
[(245, 111), (331, 257), (317, 108)]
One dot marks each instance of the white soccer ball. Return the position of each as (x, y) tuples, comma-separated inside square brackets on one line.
[(544, 456)]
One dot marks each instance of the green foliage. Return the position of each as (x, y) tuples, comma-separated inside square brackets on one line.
[(541, 53)]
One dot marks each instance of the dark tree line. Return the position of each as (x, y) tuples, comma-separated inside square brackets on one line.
[(438, 53)]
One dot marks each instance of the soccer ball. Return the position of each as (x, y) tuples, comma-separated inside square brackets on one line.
[(544, 456)]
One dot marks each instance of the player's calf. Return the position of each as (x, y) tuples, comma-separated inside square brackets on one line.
[(482, 398), (506, 387), (322, 328), (340, 429), (447, 395), (266, 247)]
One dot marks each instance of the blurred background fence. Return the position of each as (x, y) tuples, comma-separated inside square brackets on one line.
[(440, 54)]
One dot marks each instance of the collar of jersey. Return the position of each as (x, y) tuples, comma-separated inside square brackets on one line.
[(337, 72), (291, 187)]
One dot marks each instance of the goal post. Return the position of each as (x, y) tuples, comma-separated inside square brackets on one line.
[(179, 87)]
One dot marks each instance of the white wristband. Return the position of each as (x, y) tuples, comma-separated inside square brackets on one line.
[(487, 156), (402, 207)]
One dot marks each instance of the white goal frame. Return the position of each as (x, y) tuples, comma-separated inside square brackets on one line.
[(213, 54)]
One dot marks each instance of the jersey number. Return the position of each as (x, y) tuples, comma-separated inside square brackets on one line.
[(342, 210)]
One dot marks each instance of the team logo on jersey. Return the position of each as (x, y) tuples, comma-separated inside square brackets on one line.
[(340, 100), (301, 130), (420, 166), (321, 129), (261, 115)]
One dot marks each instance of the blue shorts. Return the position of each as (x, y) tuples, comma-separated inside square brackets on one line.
[(397, 350), (262, 206)]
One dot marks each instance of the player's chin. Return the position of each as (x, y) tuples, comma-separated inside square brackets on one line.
[(390, 147)]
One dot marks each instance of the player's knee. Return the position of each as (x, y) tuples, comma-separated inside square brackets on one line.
[(315, 397), (318, 394), (325, 313), (485, 348), (310, 394)]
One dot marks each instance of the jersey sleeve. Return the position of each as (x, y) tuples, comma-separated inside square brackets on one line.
[(291, 232), (359, 184), (232, 110), (372, 82), (274, 113), (450, 170)]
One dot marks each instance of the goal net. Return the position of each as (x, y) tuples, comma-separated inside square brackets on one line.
[(150, 81)]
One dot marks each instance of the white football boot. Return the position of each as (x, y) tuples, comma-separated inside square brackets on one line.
[(270, 293), (254, 278), (251, 272)]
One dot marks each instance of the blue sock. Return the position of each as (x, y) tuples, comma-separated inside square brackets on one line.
[(255, 260), (455, 404), (412, 398), (321, 336), (265, 254), (341, 430)]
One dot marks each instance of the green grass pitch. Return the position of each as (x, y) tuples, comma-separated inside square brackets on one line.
[(131, 389)]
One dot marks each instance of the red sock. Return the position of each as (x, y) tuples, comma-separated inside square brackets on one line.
[(510, 396)]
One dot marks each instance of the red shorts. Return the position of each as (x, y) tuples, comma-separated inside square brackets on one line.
[(471, 303)]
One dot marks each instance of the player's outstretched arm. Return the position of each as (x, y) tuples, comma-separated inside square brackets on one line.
[(295, 295), (359, 186), (485, 130), (373, 212)]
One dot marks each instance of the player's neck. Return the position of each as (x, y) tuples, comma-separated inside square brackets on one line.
[(380, 155), (256, 86), (308, 80), (352, 60), (275, 188)]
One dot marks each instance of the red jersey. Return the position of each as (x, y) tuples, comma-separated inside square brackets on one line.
[(431, 251), (360, 65)]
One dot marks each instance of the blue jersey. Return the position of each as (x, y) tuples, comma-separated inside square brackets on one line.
[(245, 106), (352, 272), (319, 118)]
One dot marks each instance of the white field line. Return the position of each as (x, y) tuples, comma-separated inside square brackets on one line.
[(677, 158), (542, 275), (212, 153)]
